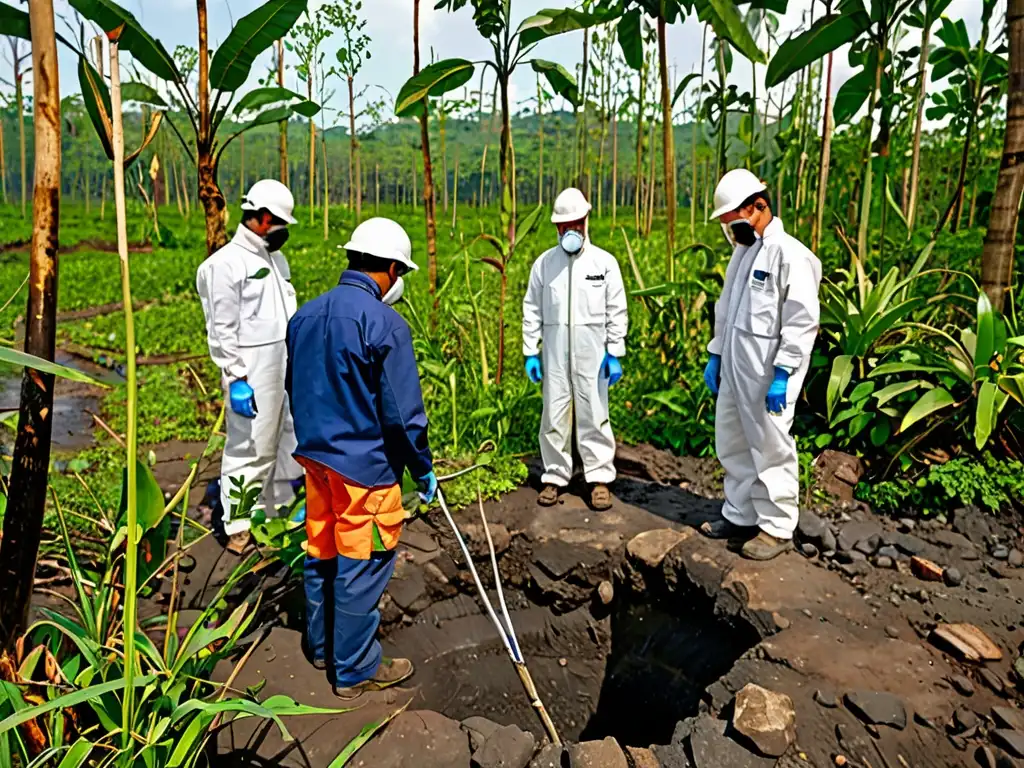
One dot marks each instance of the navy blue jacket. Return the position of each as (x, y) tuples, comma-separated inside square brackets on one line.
[(354, 388)]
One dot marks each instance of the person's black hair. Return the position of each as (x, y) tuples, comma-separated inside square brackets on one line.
[(255, 215), (364, 262), (762, 195)]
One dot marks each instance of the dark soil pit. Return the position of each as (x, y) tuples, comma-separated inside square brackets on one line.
[(632, 670)]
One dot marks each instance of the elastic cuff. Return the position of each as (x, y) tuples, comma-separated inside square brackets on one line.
[(788, 362), (617, 349), (715, 346)]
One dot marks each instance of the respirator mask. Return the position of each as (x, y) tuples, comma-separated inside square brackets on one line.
[(276, 237), (394, 292), (743, 232), (571, 241)]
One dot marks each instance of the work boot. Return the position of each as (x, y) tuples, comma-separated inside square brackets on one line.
[(390, 672), (548, 496), (238, 543), (764, 546), (600, 497), (724, 529)]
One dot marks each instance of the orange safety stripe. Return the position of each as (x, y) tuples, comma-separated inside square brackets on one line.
[(340, 515)]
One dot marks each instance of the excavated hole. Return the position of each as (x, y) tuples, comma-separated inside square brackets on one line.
[(632, 670)]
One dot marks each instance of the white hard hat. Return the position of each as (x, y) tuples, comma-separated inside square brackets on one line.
[(735, 187), (383, 238), (570, 205), (271, 195)]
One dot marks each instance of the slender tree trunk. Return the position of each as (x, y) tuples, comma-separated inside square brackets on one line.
[(637, 193), (241, 162), (915, 163), (669, 151), (455, 190), (282, 127), (865, 198), (429, 196), (483, 171), (615, 165), (26, 493), (997, 256), (312, 151), (442, 119), (352, 196), (376, 189), (3, 165), (649, 213), (540, 143), (177, 188), (19, 98), (974, 204), (583, 165), (210, 194), (327, 183)]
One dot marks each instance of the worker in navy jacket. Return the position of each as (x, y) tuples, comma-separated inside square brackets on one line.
[(359, 423)]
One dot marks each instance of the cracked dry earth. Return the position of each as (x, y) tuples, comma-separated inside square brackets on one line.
[(652, 646)]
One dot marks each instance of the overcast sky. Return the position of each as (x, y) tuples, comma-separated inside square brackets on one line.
[(389, 24)]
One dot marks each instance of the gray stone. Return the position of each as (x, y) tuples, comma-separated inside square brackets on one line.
[(856, 568), (479, 730), (476, 538), (992, 680), (421, 738), (985, 757), (766, 718), (951, 539), (712, 748), (972, 523), (1008, 717), (856, 531), (877, 708), (869, 545), (906, 524), (888, 551), (964, 719), (558, 558), (549, 756), (828, 541), (671, 756), (952, 577), (1015, 559), (908, 544), (1011, 741), (507, 747), (883, 561), (409, 589), (962, 685), (827, 700), (1000, 552), (892, 631), (810, 526), (597, 754), (808, 549)]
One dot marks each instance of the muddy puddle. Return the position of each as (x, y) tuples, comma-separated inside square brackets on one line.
[(73, 400)]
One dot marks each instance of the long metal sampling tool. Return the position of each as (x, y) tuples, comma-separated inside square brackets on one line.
[(505, 630)]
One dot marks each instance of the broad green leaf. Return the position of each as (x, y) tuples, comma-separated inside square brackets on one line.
[(96, 99), (72, 699), (20, 359), (148, 51), (725, 19), (631, 39), (991, 401), (15, 22), (253, 34), (880, 433), (363, 737), (886, 369), (285, 706), (552, 21), (931, 401), (852, 95), (681, 88), (985, 345), (563, 83), (77, 754), (527, 225), (826, 35), (142, 93), (892, 202), (859, 424), (885, 394), (230, 705), (1013, 386), (192, 739), (839, 378), (434, 80), (862, 391)]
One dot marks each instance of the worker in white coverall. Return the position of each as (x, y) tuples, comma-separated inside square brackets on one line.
[(574, 332), (766, 322), (247, 299)]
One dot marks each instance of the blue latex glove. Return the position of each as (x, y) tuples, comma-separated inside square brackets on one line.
[(776, 400), (299, 515), (243, 400), (612, 368), (428, 487), (533, 369), (713, 373)]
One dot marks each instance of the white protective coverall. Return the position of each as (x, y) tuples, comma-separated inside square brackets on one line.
[(576, 306), (247, 300), (767, 316)]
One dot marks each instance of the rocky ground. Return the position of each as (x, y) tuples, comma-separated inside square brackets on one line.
[(877, 643)]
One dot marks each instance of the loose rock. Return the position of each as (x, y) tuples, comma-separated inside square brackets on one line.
[(952, 577), (827, 700), (967, 641), (925, 569), (964, 719), (884, 561), (808, 549), (506, 747), (992, 680), (597, 754), (1000, 552), (605, 592), (766, 718), (642, 758), (1008, 717), (962, 685), (1011, 741), (892, 631), (479, 730), (878, 708), (549, 757), (477, 538), (651, 547), (1015, 559), (422, 738)]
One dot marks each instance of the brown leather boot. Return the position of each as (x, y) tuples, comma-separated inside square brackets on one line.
[(600, 497), (548, 496), (390, 672)]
